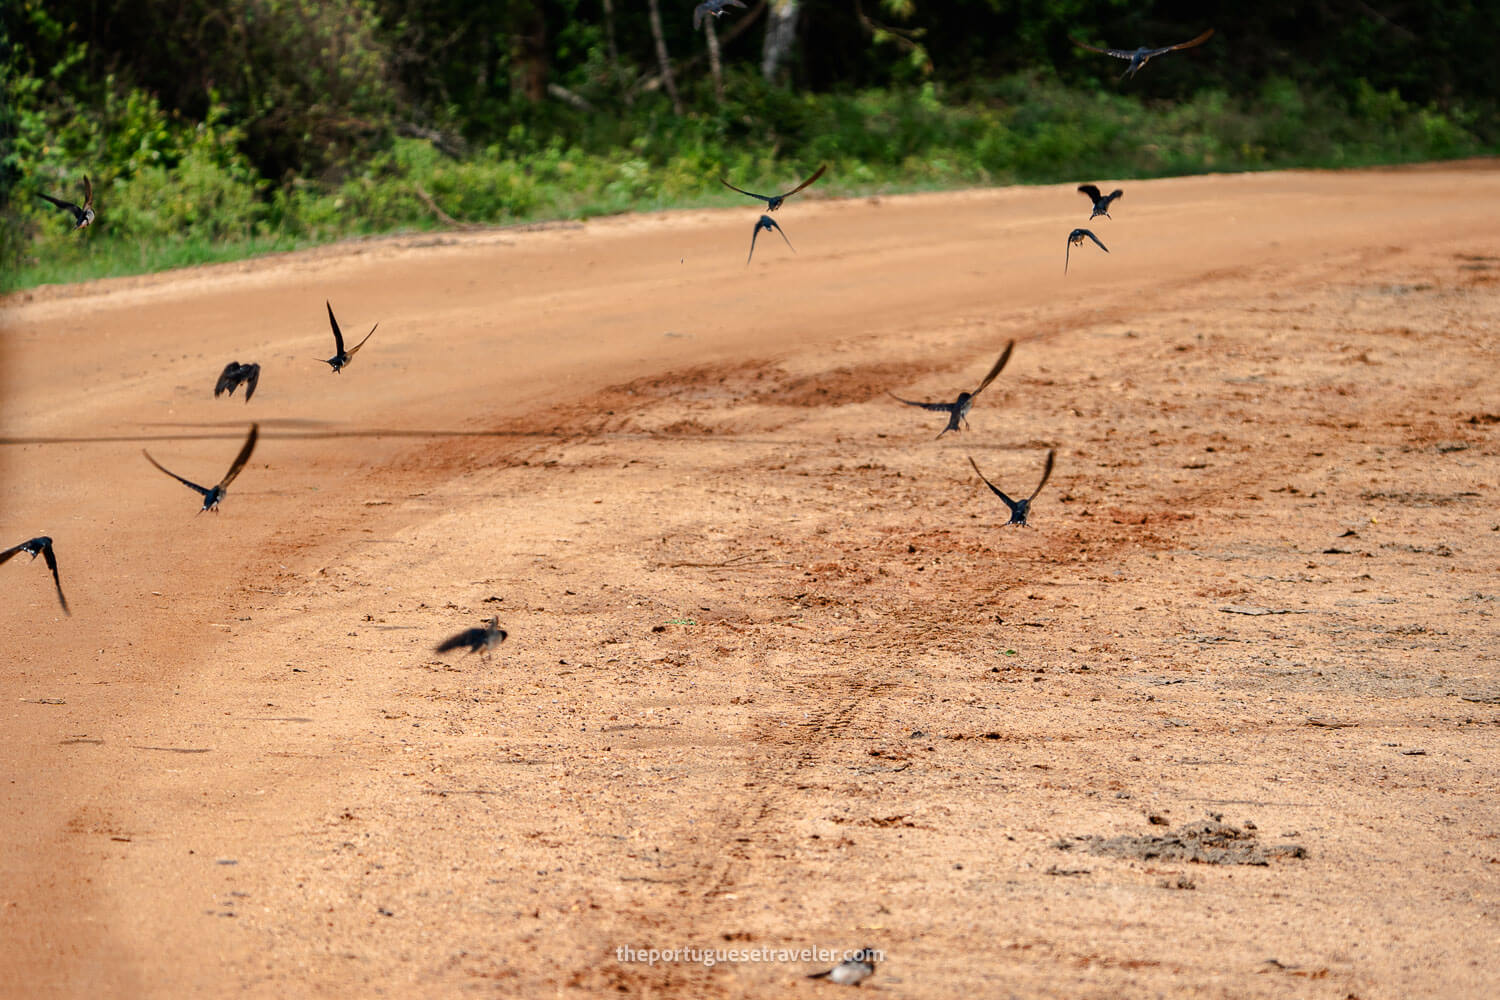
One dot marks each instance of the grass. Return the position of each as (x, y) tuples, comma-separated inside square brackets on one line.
[(209, 208)]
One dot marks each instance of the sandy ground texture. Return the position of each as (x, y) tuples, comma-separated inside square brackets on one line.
[(1223, 721)]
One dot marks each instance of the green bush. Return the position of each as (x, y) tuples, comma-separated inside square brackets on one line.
[(170, 193)]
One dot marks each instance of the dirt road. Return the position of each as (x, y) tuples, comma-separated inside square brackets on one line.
[(1223, 722)]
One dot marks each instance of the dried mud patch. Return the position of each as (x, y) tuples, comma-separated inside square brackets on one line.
[(1206, 842)]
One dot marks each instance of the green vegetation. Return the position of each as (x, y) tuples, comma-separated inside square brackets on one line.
[(263, 125)]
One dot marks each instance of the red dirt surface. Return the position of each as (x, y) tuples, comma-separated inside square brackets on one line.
[(777, 676)]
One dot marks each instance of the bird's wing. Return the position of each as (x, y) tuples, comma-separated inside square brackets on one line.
[(816, 174), (935, 407), (60, 203), (88, 192), (1067, 252), (465, 639), (762, 197), (5, 556), (241, 458), (1091, 190), (338, 335), (754, 233), (698, 14), (252, 379), (1117, 53), (734, 3), (228, 379), (1186, 45), (777, 226), (999, 365), (1046, 475), (185, 482), (1096, 240), (1113, 195), (52, 565), (993, 488), (353, 350)]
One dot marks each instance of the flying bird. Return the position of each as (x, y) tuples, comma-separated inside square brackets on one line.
[(235, 373), (1019, 508), (958, 410), (767, 223), (342, 357), (851, 971), (1101, 201), (211, 497), (40, 547), (1075, 239), (773, 201), (1141, 56), (477, 640), (81, 216), (712, 8)]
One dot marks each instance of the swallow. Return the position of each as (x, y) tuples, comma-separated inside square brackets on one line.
[(851, 971), (234, 373), (1141, 56), (1101, 201), (1019, 508), (773, 201), (211, 497), (1075, 239), (712, 8), (767, 223), (81, 216), (342, 357), (41, 547), (477, 640), (958, 410)]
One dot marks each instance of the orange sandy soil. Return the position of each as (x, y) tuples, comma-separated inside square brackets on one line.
[(777, 676)]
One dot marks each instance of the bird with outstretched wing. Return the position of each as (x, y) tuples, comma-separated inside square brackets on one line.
[(212, 496), (1019, 508)]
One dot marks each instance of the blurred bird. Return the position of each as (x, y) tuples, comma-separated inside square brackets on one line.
[(767, 223), (712, 8), (477, 640), (40, 547), (342, 357), (1075, 239), (1141, 56), (959, 408), (851, 971), (211, 497), (1101, 201), (773, 201), (81, 216), (235, 373), (1019, 508)]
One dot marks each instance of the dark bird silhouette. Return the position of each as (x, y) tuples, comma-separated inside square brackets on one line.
[(712, 8), (1141, 56), (1019, 508), (958, 410), (1075, 239), (82, 216), (342, 357), (40, 547), (773, 201), (235, 373), (1101, 201), (767, 223), (211, 497), (477, 640), (851, 971)]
